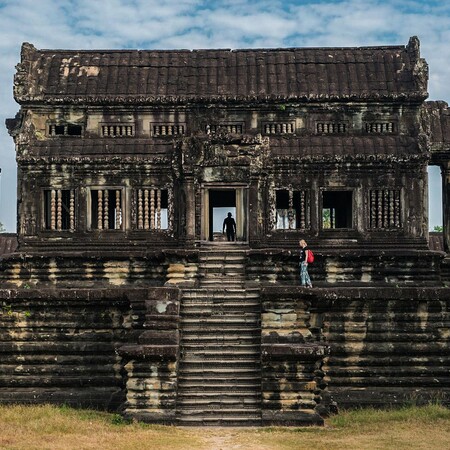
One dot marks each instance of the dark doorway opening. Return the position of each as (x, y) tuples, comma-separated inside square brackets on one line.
[(221, 202), (337, 209)]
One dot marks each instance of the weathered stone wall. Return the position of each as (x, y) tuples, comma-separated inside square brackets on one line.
[(99, 269), (388, 346), (151, 361), (59, 346), (292, 359), (348, 266)]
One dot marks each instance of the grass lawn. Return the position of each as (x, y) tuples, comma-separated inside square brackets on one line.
[(50, 427)]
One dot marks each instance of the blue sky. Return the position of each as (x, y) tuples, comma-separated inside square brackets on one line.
[(163, 24)]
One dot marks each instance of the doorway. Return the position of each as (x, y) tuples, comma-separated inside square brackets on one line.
[(218, 202)]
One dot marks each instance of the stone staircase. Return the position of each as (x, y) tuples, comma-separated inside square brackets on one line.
[(219, 380)]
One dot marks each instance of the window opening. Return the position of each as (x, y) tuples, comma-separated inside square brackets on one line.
[(229, 128), (278, 128), (380, 127), (384, 209), (106, 209), (337, 209), (67, 129), (291, 209), (59, 209), (152, 209), (331, 128), (167, 130), (117, 130)]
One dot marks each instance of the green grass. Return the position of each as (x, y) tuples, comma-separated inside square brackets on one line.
[(51, 427)]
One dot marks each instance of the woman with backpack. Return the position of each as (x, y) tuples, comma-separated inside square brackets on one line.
[(306, 256)]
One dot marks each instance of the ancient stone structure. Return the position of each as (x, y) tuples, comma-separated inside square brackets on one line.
[(123, 293)]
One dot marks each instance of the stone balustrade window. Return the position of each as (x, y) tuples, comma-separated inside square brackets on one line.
[(59, 209), (231, 128), (278, 128), (117, 130), (380, 127), (331, 128), (385, 209), (64, 129), (162, 130), (152, 209), (106, 209), (292, 209)]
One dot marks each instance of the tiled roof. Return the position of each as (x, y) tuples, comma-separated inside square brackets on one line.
[(177, 76), (349, 146), (8, 243), (97, 148)]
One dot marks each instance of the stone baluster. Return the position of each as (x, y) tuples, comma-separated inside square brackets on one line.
[(379, 208), (146, 210), (72, 210), (152, 209), (140, 210), (302, 210), (158, 209), (385, 208), (118, 210), (100, 209), (59, 209), (373, 209), (106, 210), (53, 210), (397, 209)]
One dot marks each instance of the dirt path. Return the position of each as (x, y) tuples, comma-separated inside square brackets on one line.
[(229, 438)]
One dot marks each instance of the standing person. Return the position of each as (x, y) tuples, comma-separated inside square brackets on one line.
[(304, 253), (230, 225)]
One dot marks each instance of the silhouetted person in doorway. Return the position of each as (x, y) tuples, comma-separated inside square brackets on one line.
[(230, 226)]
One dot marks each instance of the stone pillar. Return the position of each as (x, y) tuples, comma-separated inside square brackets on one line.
[(445, 171), (189, 190), (256, 211), (152, 362), (292, 378)]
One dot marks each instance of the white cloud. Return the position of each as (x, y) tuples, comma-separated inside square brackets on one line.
[(87, 24)]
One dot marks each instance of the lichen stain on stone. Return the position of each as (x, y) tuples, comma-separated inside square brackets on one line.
[(90, 71), (161, 307)]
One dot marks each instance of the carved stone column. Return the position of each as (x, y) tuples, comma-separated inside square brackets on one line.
[(190, 208)]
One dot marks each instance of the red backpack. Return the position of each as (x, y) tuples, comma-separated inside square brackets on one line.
[(310, 257)]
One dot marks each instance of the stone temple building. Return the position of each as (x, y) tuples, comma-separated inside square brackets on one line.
[(123, 292)]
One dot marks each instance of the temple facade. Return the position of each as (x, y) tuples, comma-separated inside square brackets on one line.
[(124, 292)]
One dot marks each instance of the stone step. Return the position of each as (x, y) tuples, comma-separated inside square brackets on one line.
[(219, 318), (225, 340), (215, 365), (214, 369), (219, 402), (206, 331), (220, 293), (247, 417), (221, 377), (219, 314), (213, 284), (224, 412), (220, 310), (220, 347), (220, 298), (206, 385), (230, 355)]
